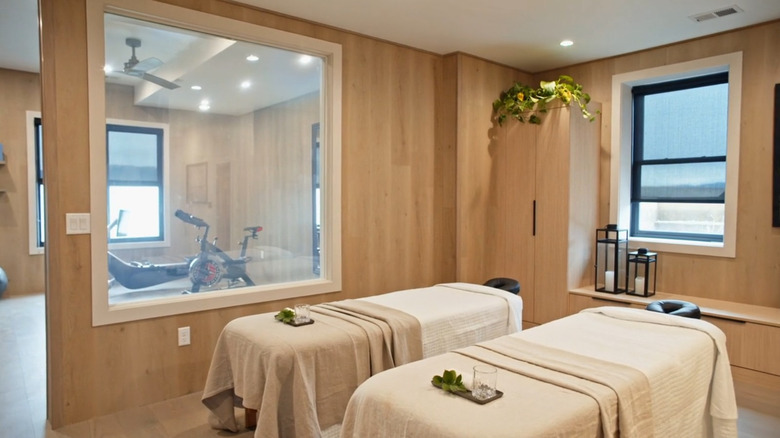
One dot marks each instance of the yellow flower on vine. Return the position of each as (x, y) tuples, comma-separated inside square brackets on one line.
[(526, 104), (565, 95)]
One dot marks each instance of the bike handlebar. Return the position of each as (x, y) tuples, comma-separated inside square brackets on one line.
[(190, 219)]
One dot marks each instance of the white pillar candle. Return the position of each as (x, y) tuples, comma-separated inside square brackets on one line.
[(609, 279), (640, 285)]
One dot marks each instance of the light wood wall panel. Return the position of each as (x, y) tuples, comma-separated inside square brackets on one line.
[(390, 203), (495, 180), (279, 180), (20, 92), (753, 276), (398, 196)]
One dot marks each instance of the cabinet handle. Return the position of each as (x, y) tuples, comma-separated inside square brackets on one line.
[(533, 223)]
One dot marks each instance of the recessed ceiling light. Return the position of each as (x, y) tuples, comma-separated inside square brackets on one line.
[(204, 105), (246, 84), (252, 58), (107, 68), (305, 59), (566, 43), (196, 87)]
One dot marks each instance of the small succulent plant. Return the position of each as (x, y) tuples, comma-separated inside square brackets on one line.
[(450, 381), (286, 315)]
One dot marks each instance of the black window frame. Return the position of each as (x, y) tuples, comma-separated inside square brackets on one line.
[(40, 188), (638, 93), (160, 183)]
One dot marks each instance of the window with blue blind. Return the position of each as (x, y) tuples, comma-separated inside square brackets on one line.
[(678, 166), (135, 183)]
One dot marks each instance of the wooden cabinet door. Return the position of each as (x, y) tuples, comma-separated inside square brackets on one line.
[(566, 209)]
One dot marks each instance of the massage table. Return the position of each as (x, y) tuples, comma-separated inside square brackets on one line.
[(604, 372), (298, 380)]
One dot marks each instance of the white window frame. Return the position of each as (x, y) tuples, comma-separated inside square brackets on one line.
[(166, 242), (330, 135), (620, 171), (32, 189)]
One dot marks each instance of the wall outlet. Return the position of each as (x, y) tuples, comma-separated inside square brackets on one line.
[(184, 336)]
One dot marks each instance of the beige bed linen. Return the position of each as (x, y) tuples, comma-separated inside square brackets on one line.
[(402, 403), (630, 386), (450, 315), (620, 394), (296, 386), (721, 404), (481, 313), (681, 365)]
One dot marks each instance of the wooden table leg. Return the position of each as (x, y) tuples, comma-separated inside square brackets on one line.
[(250, 418)]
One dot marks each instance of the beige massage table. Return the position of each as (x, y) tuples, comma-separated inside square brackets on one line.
[(604, 372), (299, 379)]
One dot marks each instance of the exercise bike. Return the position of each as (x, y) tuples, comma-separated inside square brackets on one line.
[(204, 269)]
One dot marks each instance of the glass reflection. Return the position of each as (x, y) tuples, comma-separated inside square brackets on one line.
[(228, 197)]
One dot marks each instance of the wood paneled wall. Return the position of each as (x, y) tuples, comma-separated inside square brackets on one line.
[(753, 276), (426, 176), (398, 226), (280, 191), (19, 92)]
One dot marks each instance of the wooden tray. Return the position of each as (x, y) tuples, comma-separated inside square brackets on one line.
[(467, 395), (298, 324)]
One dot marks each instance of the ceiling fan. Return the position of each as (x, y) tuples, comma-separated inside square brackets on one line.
[(140, 69)]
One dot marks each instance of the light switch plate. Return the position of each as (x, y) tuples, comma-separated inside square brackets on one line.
[(77, 223)]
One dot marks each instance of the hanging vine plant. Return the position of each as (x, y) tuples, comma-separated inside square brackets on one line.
[(524, 103)]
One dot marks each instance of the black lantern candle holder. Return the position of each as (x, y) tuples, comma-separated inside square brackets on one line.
[(611, 259), (642, 269)]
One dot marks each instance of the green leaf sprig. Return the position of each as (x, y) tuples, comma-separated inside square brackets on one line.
[(523, 103), (449, 381), (286, 315)]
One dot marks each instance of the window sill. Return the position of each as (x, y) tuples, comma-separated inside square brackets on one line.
[(714, 249)]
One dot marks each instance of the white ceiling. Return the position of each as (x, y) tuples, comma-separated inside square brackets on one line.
[(526, 33), (518, 33), (217, 65)]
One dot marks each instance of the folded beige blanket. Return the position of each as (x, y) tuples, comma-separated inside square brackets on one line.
[(402, 333), (294, 384), (631, 418)]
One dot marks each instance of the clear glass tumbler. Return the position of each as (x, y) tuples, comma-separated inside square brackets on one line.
[(301, 313), (484, 383)]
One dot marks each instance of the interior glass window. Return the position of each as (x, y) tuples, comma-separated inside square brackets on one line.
[(237, 197)]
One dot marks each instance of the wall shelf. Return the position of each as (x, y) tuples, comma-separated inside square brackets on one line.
[(715, 308)]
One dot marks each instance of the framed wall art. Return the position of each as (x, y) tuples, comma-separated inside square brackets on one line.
[(197, 183)]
